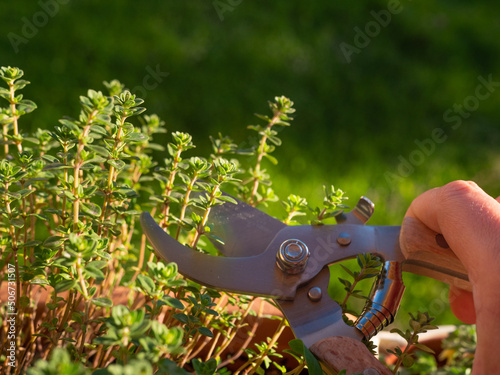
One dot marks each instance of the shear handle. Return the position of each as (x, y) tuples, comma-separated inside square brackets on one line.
[(345, 353), (427, 253)]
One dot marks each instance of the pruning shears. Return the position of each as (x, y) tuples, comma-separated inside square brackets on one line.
[(289, 263)]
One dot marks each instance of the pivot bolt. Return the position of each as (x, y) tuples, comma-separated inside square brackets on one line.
[(292, 256), (315, 294), (343, 239), (371, 371)]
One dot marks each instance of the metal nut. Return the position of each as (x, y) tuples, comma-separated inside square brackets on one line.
[(292, 256)]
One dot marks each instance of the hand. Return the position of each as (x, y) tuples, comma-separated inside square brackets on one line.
[(469, 220)]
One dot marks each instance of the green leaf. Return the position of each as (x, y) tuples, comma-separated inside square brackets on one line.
[(97, 129), (94, 160), (41, 217), (91, 209), (71, 125), (117, 164), (204, 368), (99, 150), (346, 283), (173, 302), (146, 283), (227, 198), (102, 301), (64, 285), (183, 318), (39, 281), (136, 137), (51, 306), (69, 195), (93, 272), (424, 348), (205, 331), (167, 366), (91, 291), (53, 242), (275, 140), (100, 264), (408, 361), (398, 331), (24, 301), (348, 271), (271, 158), (18, 223), (31, 244), (54, 166), (25, 192), (312, 363)]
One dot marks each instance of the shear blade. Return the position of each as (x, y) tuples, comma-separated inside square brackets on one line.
[(245, 230), (256, 275)]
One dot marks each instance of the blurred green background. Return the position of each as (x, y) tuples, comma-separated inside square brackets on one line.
[(373, 82)]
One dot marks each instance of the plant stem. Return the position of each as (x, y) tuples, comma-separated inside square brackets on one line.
[(111, 176), (78, 165), (5, 145), (234, 330), (65, 177), (185, 203), (200, 227), (13, 235), (244, 346), (321, 214), (344, 302), (84, 328), (260, 154), (14, 116), (399, 361), (272, 342), (81, 279), (169, 187)]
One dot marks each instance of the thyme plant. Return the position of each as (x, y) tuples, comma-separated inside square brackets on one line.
[(88, 294)]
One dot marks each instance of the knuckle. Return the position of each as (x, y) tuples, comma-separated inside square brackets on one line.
[(459, 190)]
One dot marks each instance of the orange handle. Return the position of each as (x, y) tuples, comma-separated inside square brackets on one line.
[(427, 253)]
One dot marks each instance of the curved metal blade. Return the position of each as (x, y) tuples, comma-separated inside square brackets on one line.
[(245, 230), (314, 320), (256, 275)]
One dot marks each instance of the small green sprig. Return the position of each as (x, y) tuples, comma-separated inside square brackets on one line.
[(223, 173), (119, 135), (369, 267), (18, 106), (60, 362), (281, 108), (197, 171), (167, 175), (332, 205), (265, 353), (295, 206), (418, 324), (132, 329)]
